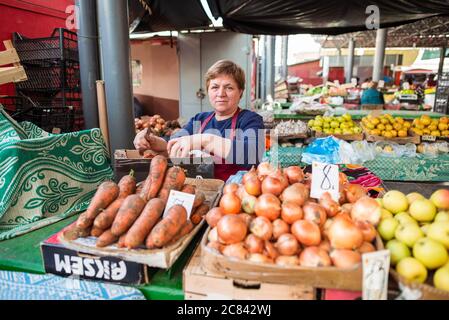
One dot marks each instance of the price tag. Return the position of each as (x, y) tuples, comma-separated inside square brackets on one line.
[(375, 275), (406, 86), (429, 138), (354, 81), (180, 198), (381, 84), (325, 179)]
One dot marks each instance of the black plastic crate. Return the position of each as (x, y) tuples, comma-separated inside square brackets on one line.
[(61, 45)]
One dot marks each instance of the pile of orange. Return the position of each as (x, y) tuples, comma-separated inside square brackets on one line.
[(386, 126), (425, 125)]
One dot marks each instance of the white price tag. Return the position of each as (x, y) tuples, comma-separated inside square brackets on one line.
[(325, 179), (180, 198), (354, 81), (406, 86), (381, 84), (375, 275)]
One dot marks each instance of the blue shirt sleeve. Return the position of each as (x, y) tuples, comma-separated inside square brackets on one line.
[(187, 130)]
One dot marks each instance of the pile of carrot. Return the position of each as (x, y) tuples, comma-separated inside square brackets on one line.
[(132, 216)]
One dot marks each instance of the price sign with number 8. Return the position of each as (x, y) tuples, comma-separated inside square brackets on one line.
[(325, 178)]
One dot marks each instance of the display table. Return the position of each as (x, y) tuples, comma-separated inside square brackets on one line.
[(24, 254), (420, 168)]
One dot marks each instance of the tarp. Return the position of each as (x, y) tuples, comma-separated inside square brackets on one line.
[(278, 17)]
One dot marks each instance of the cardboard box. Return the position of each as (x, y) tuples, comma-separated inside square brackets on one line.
[(66, 262), (127, 160), (202, 284)]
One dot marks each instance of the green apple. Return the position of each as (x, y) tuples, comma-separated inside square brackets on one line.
[(395, 201), (423, 210), (338, 131), (411, 269), (404, 218), (398, 251), (430, 253), (442, 216), (387, 228), (385, 214), (441, 279), (414, 196), (439, 231), (408, 234), (335, 124), (425, 227)]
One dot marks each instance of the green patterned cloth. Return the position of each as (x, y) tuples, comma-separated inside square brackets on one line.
[(44, 177), (419, 168)]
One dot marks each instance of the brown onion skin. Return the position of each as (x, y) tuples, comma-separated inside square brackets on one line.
[(325, 245), (280, 227), (264, 169), (259, 258), (269, 206), (366, 247), (230, 203), (345, 258), (366, 209), (287, 261), (247, 218), (344, 234), (314, 212), (368, 231), (291, 212), (253, 186), (294, 174), (332, 207), (248, 204), (232, 229), (272, 185), (254, 244), (230, 188), (213, 216), (236, 250), (287, 245), (354, 192), (216, 246), (270, 251), (314, 257), (306, 232), (213, 235), (250, 174), (262, 228), (297, 193)]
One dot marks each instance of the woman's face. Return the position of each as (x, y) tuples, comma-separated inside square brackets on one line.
[(224, 94)]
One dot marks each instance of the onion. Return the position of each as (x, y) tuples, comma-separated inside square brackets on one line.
[(366, 247), (345, 258), (306, 232), (248, 204), (325, 245), (241, 192), (250, 174), (272, 185), (344, 234), (269, 206), (314, 212), (232, 229), (253, 186), (287, 245), (230, 188), (296, 193), (247, 218), (326, 227), (367, 209), (347, 207), (294, 174), (354, 192), (254, 244), (213, 235), (368, 231), (331, 207), (262, 228), (236, 250), (213, 216), (270, 251), (287, 261), (230, 203), (278, 174), (264, 169), (342, 178), (291, 212), (314, 257), (308, 180), (216, 246), (259, 258), (280, 227)]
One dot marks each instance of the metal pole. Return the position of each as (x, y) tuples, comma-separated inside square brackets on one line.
[(270, 65), (350, 65), (381, 40), (88, 56), (284, 68), (441, 64), (114, 33), (263, 69)]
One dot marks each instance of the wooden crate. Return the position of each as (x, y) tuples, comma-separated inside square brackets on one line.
[(202, 284), (423, 291), (346, 137), (412, 138), (15, 73)]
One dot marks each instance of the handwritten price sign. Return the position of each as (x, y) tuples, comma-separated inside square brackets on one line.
[(325, 179), (180, 198)]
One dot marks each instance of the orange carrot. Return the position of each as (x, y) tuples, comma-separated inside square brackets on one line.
[(185, 230), (199, 199), (127, 214), (106, 239), (199, 213), (155, 178), (167, 229), (96, 232), (188, 188), (174, 180)]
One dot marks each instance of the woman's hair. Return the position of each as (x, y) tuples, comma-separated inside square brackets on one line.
[(226, 67)]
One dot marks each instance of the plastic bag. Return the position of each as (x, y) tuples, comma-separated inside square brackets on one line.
[(324, 150), (364, 151)]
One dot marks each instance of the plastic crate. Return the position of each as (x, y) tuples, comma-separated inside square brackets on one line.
[(61, 45)]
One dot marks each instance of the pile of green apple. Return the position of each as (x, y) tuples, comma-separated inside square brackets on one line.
[(334, 125), (416, 231)]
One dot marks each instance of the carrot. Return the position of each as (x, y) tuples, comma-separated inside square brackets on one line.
[(73, 232), (106, 239), (121, 241), (155, 178), (127, 214), (96, 232), (143, 225), (186, 229), (199, 199), (127, 186), (199, 213), (188, 188), (174, 180), (167, 229), (107, 192)]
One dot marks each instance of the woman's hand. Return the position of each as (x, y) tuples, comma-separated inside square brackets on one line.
[(144, 142), (180, 147)]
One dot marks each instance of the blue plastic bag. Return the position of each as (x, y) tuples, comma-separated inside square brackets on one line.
[(324, 150)]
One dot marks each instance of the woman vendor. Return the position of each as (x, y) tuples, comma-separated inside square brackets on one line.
[(233, 136)]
